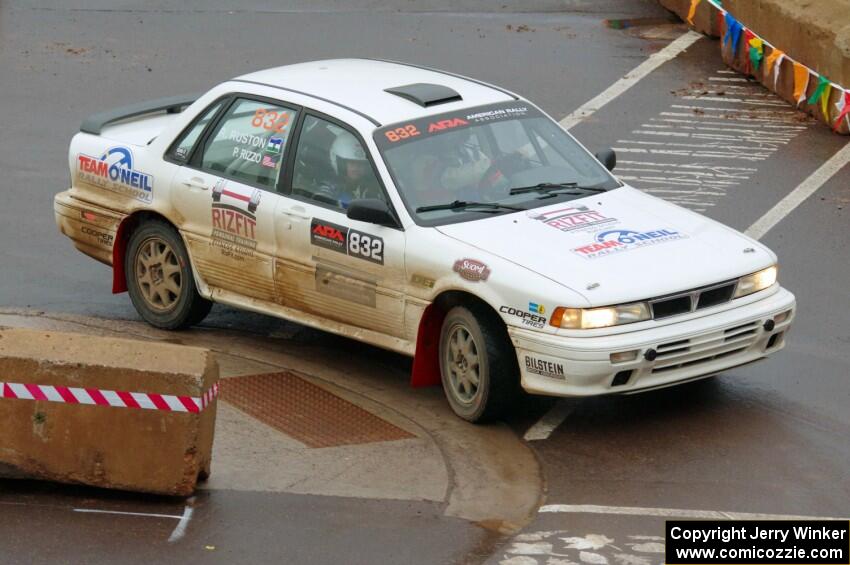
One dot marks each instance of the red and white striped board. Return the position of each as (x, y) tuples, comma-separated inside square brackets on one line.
[(114, 398)]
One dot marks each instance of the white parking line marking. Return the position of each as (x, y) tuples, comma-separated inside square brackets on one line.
[(550, 421), (180, 529), (653, 62), (143, 514), (671, 512), (800, 194)]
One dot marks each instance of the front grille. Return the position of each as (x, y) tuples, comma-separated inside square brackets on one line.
[(697, 299), (702, 349)]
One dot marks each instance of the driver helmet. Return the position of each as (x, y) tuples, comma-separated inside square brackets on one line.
[(347, 155)]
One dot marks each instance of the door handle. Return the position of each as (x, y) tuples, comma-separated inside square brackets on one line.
[(196, 182), (295, 214)]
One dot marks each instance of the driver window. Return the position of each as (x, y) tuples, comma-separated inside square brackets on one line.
[(331, 166)]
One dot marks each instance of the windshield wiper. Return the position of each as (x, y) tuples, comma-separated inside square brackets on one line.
[(546, 187), (463, 204)]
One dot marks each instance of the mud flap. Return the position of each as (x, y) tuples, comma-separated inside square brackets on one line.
[(119, 281), (426, 361)]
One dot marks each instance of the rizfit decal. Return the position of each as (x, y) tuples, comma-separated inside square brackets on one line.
[(471, 270), (544, 368), (527, 318), (348, 241), (573, 218), (615, 241), (234, 221), (114, 170)]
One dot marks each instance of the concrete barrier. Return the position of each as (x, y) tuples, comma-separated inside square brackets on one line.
[(112, 413), (815, 33)]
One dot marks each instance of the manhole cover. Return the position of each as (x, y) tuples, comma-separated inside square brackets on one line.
[(306, 412)]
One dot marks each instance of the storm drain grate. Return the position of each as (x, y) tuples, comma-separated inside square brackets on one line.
[(306, 412)]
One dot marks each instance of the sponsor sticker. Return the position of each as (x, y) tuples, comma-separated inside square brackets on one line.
[(274, 145), (471, 270), (423, 281), (234, 219), (536, 308), (115, 171), (527, 318), (425, 127), (269, 161), (573, 218), (550, 369), (347, 241), (616, 241), (102, 237)]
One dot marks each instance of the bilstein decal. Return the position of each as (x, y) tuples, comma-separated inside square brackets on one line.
[(234, 220), (114, 171), (616, 241), (544, 368), (347, 241), (471, 270)]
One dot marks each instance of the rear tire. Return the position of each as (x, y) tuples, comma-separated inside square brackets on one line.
[(478, 364), (160, 280)]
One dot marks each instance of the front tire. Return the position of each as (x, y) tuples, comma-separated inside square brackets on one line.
[(477, 363), (160, 280)]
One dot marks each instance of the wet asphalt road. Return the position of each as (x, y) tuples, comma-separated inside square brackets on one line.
[(769, 438)]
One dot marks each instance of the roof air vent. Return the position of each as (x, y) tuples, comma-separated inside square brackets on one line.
[(426, 94)]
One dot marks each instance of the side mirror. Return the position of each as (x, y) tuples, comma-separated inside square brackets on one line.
[(608, 158), (373, 211)]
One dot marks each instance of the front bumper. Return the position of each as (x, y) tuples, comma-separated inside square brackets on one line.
[(683, 351)]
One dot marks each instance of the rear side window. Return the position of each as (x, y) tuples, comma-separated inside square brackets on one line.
[(182, 148), (248, 143)]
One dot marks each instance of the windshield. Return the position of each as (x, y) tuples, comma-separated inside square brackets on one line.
[(489, 160)]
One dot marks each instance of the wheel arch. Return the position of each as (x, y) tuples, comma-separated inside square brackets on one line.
[(122, 237), (426, 359)]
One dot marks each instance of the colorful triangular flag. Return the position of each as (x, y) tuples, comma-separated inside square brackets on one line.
[(733, 32), (693, 11), (801, 82)]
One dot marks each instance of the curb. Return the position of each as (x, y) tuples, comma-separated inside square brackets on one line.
[(795, 53), (493, 478)]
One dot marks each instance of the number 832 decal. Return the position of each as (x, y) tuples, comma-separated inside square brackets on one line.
[(365, 246)]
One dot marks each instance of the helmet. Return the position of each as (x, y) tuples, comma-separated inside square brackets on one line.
[(346, 148)]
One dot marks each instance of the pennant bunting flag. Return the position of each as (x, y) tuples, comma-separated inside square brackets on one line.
[(824, 101), (772, 64), (843, 110), (801, 81), (756, 52), (733, 32), (822, 84), (748, 36), (693, 11)]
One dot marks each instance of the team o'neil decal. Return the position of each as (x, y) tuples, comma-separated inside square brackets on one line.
[(616, 241), (115, 171), (347, 241), (471, 270)]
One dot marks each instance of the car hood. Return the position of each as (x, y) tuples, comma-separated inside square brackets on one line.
[(617, 246)]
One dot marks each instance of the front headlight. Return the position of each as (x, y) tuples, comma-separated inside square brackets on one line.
[(756, 281), (590, 318)]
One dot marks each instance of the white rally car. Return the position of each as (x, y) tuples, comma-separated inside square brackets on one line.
[(422, 212)]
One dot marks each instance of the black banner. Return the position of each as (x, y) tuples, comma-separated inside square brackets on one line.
[(802, 542)]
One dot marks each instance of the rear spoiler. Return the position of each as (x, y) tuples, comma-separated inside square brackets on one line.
[(173, 105)]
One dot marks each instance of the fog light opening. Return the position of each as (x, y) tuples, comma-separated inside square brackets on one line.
[(774, 340), (624, 356), (621, 378)]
